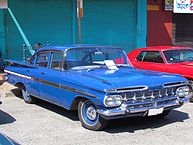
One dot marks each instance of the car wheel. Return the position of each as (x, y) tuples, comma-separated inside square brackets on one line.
[(27, 97), (89, 117)]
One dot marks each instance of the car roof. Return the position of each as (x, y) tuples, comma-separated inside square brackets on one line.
[(65, 47), (162, 48)]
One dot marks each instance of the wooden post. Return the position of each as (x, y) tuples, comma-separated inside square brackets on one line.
[(79, 15)]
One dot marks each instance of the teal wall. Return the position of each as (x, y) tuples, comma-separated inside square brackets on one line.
[(141, 26), (2, 33), (115, 22), (44, 21), (110, 23)]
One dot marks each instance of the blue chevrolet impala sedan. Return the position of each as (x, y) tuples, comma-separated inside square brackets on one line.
[(99, 82)]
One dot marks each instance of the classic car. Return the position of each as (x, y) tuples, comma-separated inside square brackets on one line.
[(171, 59), (98, 82)]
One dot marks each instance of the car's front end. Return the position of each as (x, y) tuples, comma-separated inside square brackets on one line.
[(143, 101), (119, 90)]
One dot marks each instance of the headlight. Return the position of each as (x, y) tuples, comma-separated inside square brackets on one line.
[(184, 91), (112, 100)]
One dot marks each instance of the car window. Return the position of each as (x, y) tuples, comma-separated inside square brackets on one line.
[(56, 60), (153, 56), (92, 57), (42, 59), (141, 56), (179, 55)]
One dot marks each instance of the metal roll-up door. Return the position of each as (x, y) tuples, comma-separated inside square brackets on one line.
[(183, 29), (109, 23), (44, 21)]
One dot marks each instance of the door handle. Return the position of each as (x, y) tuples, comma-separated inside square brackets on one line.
[(27, 70), (43, 73)]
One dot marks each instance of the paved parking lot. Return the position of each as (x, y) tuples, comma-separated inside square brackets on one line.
[(46, 124)]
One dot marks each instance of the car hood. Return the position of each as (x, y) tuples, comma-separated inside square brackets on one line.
[(128, 76)]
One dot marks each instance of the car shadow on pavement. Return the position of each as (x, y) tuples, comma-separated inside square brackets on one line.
[(5, 118), (73, 115), (133, 124)]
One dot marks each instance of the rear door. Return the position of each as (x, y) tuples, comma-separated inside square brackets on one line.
[(150, 60)]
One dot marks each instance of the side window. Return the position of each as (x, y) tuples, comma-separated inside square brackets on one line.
[(42, 59), (56, 60), (153, 56), (140, 57)]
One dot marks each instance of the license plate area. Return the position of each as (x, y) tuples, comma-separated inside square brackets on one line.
[(152, 112)]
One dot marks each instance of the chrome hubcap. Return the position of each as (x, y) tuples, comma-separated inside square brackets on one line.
[(26, 95), (91, 113)]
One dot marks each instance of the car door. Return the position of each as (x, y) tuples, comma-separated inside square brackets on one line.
[(32, 84), (50, 78), (150, 60)]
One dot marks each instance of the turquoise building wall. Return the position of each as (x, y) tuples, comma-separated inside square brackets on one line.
[(2, 34), (116, 22), (141, 27)]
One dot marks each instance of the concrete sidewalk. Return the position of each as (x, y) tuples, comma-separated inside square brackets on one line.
[(5, 88)]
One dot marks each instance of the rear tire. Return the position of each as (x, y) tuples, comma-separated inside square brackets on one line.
[(27, 97), (89, 117)]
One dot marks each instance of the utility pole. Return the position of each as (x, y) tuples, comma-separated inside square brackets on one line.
[(79, 15)]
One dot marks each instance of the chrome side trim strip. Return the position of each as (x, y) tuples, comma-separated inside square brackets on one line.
[(17, 74), (52, 84)]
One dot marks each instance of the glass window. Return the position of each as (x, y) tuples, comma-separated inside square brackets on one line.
[(94, 56), (42, 59), (56, 60), (180, 55), (153, 56), (141, 56)]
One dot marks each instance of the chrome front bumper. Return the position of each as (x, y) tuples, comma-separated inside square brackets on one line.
[(124, 109)]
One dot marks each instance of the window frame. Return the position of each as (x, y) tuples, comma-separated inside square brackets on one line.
[(36, 55), (51, 57), (145, 51)]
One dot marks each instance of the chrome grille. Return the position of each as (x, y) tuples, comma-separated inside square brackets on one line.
[(149, 98)]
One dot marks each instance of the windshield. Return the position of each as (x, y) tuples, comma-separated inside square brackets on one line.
[(180, 55), (84, 58)]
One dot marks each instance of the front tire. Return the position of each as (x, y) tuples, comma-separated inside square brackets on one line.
[(89, 117), (27, 97)]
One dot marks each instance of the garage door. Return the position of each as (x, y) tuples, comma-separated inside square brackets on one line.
[(109, 23), (45, 21), (183, 30)]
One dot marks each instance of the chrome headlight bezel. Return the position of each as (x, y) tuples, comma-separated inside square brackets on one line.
[(184, 91), (112, 100)]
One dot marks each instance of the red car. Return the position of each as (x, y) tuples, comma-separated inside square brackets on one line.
[(177, 60)]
